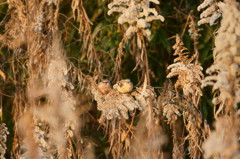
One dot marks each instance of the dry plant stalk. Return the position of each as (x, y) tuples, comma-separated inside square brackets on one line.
[(138, 15), (197, 129), (88, 48), (147, 142), (116, 105), (213, 11), (224, 73), (189, 74), (45, 81), (53, 105), (194, 34), (171, 111), (119, 134), (14, 38), (15, 28), (49, 97), (189, 81)]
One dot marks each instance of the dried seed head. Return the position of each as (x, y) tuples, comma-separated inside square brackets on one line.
[(124, 86), (211, 11)]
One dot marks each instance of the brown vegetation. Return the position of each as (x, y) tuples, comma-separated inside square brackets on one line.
[(68, 109)]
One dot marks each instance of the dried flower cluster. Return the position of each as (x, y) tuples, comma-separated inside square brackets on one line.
[(3, 139), (224, 73), (197, 129), (137, 14), (116, 104), (213, 11), (225, 79), (171, 112), (47, 141), (36, 142), (189, 74), (174, 105)]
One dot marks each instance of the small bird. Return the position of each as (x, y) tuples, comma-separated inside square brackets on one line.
[(124, 86), (104, 87)]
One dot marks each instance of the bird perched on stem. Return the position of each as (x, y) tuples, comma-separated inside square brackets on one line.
[(104, 87), (124, 86)]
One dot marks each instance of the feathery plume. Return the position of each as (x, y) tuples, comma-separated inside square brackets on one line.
[(137, 14), (224, 73), (213, 11), (197, 129), (189, 74), (223, 142)]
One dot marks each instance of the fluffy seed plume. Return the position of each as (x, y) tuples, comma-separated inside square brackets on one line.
[(224, 73), (213, 11)]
